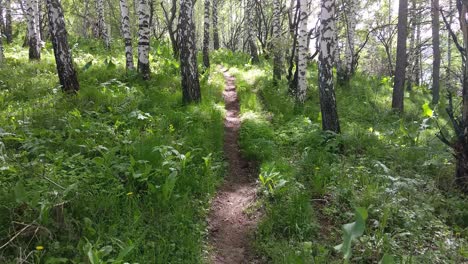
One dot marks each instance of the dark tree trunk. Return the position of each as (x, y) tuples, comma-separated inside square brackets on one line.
[(188, 55), (206, 35), (328, 109), (461, 146), (436, 52), (170, 18), (63, 59), (215, 25), (399, 85)]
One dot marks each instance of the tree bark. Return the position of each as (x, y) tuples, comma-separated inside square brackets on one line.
[(435, 52), (33, 34), (277, 41), (412, 47), (302, 53), (101, 23), (399, 84), (124, 13), (206, 35), (188, 56), (214, 18), (461, 146), (8, 23), (351, 17), (248, 26), (326, 87), (143, 39), (63, 59), (2, 55)]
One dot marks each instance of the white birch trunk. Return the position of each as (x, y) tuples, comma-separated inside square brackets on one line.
[(33, 34), (101, 23), (277, 41), (124, 13), (143, 38), (206, 35), (327, 50), (302, 53), (63, 59), (351, 15)]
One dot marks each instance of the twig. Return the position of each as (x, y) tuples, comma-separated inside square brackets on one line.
[(15, 236)]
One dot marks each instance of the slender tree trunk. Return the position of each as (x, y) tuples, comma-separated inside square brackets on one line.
[(435, 52), (302, 53), (124, 13), (8, 23), (2, 56), (188, 56), (351, 17), (2, 21), (143, 39), (449, 52), (461, 146), (206, 35), (33, 36), (277, 41), (326, 87), (417, 56), (63, 59), (86, 19), (101, 23), (249, 27), (214, 18), (412, 47), (399, 85)]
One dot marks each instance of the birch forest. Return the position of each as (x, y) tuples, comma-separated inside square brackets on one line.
[(233, 131)]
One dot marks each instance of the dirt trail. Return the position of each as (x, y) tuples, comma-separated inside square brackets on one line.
[(228, 223)]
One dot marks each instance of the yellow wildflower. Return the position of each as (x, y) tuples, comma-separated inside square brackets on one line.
[(129, 193), (39, 248)]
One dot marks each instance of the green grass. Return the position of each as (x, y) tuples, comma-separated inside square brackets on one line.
[(123, 172), (311, 181)]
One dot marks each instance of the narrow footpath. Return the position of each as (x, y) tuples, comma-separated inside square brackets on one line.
[(229, 225)]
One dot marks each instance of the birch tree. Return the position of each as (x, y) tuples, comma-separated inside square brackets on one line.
[(127, 36), (206, 35), (326, 86), (63, 59), (214, 18), (435, 51), (2, 56), (400, 71), (101, 23), (248, 27), (351, 8), (188, 56), (143, 39), (32, 11), (277, 41), (302, 53), (8, 23)]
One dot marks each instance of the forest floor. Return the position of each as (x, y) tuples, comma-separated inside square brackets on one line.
[(229, 224)]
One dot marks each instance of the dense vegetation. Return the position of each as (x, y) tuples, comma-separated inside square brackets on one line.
[(123, 171), (352, 131)]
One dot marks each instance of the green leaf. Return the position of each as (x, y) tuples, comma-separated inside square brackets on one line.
[(87, 65), (387, 259), (111, 65), (20, 193), (427, 111), (352, 231)]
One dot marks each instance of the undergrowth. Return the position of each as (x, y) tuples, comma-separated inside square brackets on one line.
[(123, 172), (311, 182)]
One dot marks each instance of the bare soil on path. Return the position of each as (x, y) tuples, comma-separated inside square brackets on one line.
[(229, 225)]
